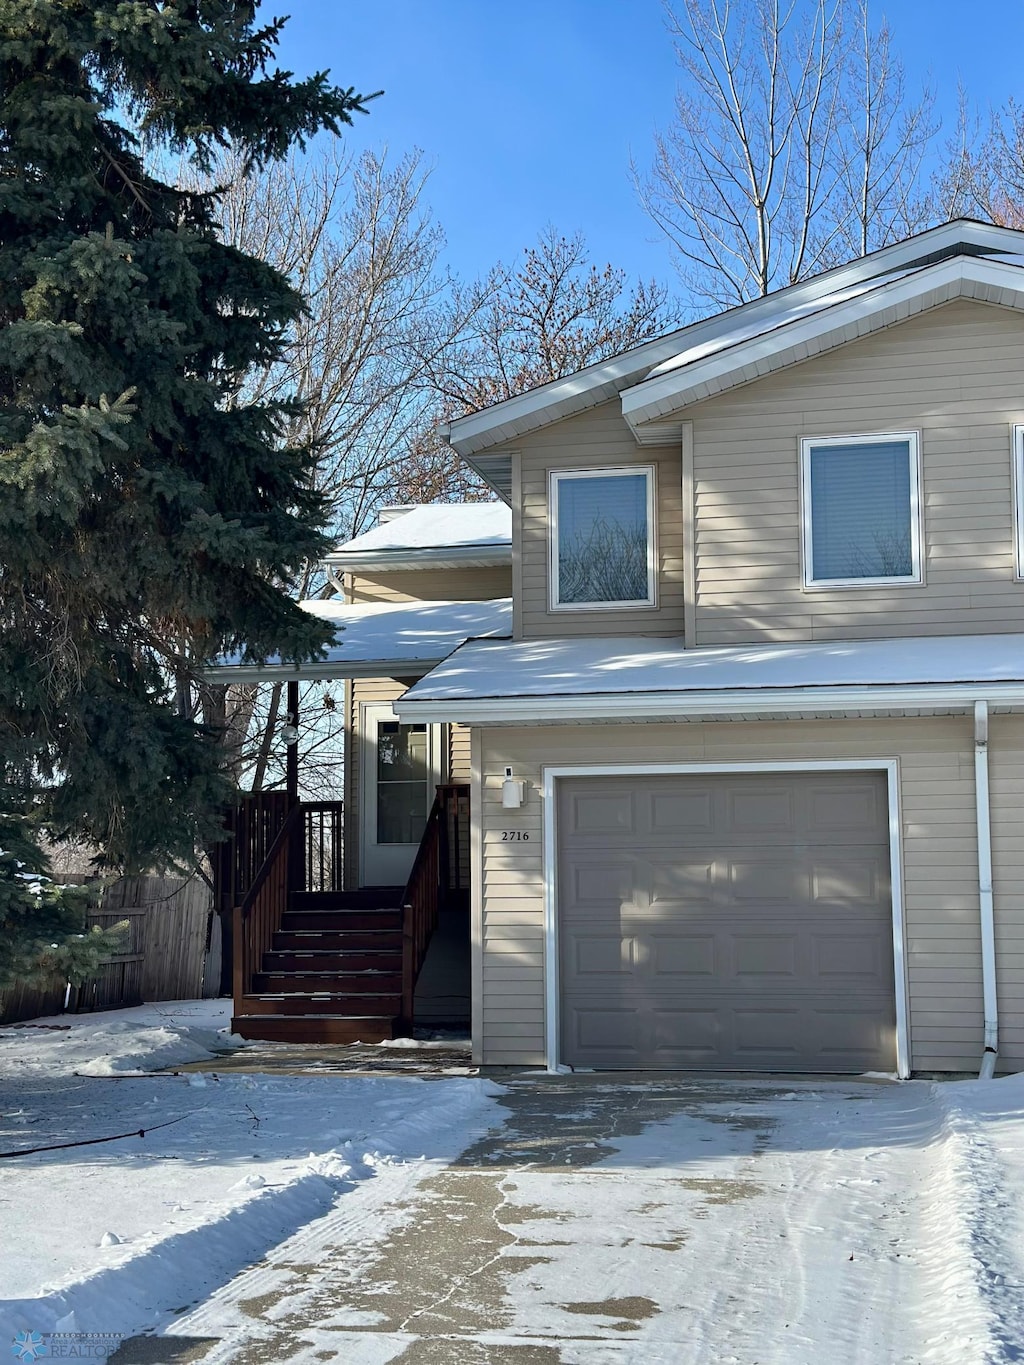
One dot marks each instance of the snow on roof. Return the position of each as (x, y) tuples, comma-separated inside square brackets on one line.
[(479, 432), (493, 671), (376, 636), (434, 526), (780, 317)]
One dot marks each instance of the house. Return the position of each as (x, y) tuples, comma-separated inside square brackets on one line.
[(742, 761)]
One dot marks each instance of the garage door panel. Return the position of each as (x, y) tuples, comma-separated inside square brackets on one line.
[(609, 813), (598, 883), (604, 1031), (754, 813), (844, 881), (681, 954), (601, 955), (845, 809), (673, 811), (746, 947)]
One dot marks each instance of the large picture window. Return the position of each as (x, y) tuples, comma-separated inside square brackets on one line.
[(861, 510), (602, 538)]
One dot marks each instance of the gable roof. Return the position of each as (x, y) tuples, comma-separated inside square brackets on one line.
[(668, 373), (435, 535)]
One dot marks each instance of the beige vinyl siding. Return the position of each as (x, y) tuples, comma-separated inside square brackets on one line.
[(939, 851), (432, 585), (594, 440), (458, 753), (954, 374)]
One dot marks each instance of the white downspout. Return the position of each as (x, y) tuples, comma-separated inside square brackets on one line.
[(988, 927)]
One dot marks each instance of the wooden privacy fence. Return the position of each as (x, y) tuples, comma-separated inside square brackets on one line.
[(164, 956)]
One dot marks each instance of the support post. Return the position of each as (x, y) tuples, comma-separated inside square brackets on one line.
[(292, 755)]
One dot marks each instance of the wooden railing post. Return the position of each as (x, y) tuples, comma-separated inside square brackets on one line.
[(444, 863), (428, 884), (239, 965)]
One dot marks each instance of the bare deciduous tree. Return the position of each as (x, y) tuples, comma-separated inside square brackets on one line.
[(356, 238), (794, 145), (552, 314), (992, 169)]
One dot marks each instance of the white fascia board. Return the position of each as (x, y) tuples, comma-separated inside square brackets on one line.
[(891, 302), (328, 671), (561, 398), (426, 557), (739, 702)]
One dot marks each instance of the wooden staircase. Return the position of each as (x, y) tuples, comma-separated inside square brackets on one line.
[(333, 973), (314, 963)]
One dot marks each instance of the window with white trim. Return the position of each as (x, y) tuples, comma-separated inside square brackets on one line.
[(861, 509), (602, 538)]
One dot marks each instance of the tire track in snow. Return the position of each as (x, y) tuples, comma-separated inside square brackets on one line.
[(982, 1213)]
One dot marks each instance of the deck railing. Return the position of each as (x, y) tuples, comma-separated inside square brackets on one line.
[(252, 827), (437, 872), (258, 917), (305, 852), (323, 845)]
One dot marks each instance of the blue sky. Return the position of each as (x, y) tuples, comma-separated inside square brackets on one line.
[(529, 110)]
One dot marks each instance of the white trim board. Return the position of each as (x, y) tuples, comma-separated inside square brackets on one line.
[(739, 702), (551, 774)]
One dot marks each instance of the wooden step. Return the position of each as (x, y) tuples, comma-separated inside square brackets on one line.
[(324, 941), (334, 960), (343, 920), (269, 982), (337, 1003), (371, 898), (310, 1028)]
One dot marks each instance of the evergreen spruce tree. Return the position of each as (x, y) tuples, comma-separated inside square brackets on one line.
[(142, 514)]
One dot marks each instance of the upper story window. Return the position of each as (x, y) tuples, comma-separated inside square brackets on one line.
[(602, 538), (861, 510)]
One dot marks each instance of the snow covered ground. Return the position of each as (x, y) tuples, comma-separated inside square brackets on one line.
[(122, 1234), (584, 1219)]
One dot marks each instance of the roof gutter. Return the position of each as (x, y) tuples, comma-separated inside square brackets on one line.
[(318, 671), (708, 705), (472, 556)]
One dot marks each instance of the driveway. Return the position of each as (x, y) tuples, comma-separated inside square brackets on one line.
[(652, 1220)]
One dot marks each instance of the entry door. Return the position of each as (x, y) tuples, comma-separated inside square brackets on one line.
[(401, 765)]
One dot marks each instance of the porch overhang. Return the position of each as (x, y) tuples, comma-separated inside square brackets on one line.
[(609, 680), (378, 640)]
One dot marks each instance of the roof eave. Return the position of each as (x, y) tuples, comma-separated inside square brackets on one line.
[(434, 556), (891, 302), (320, 671), (515, 417), (735, 702)]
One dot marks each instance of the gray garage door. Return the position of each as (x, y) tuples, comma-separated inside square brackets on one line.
[(728, 921)]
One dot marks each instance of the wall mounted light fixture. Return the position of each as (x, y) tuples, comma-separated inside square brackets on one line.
[(513, 791)]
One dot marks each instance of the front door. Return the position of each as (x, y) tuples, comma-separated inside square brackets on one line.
[(401, 765)]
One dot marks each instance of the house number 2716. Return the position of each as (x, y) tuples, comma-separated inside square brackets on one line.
[(517, 836)]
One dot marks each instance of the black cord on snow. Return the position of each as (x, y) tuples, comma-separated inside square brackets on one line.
[(91, 1142)]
